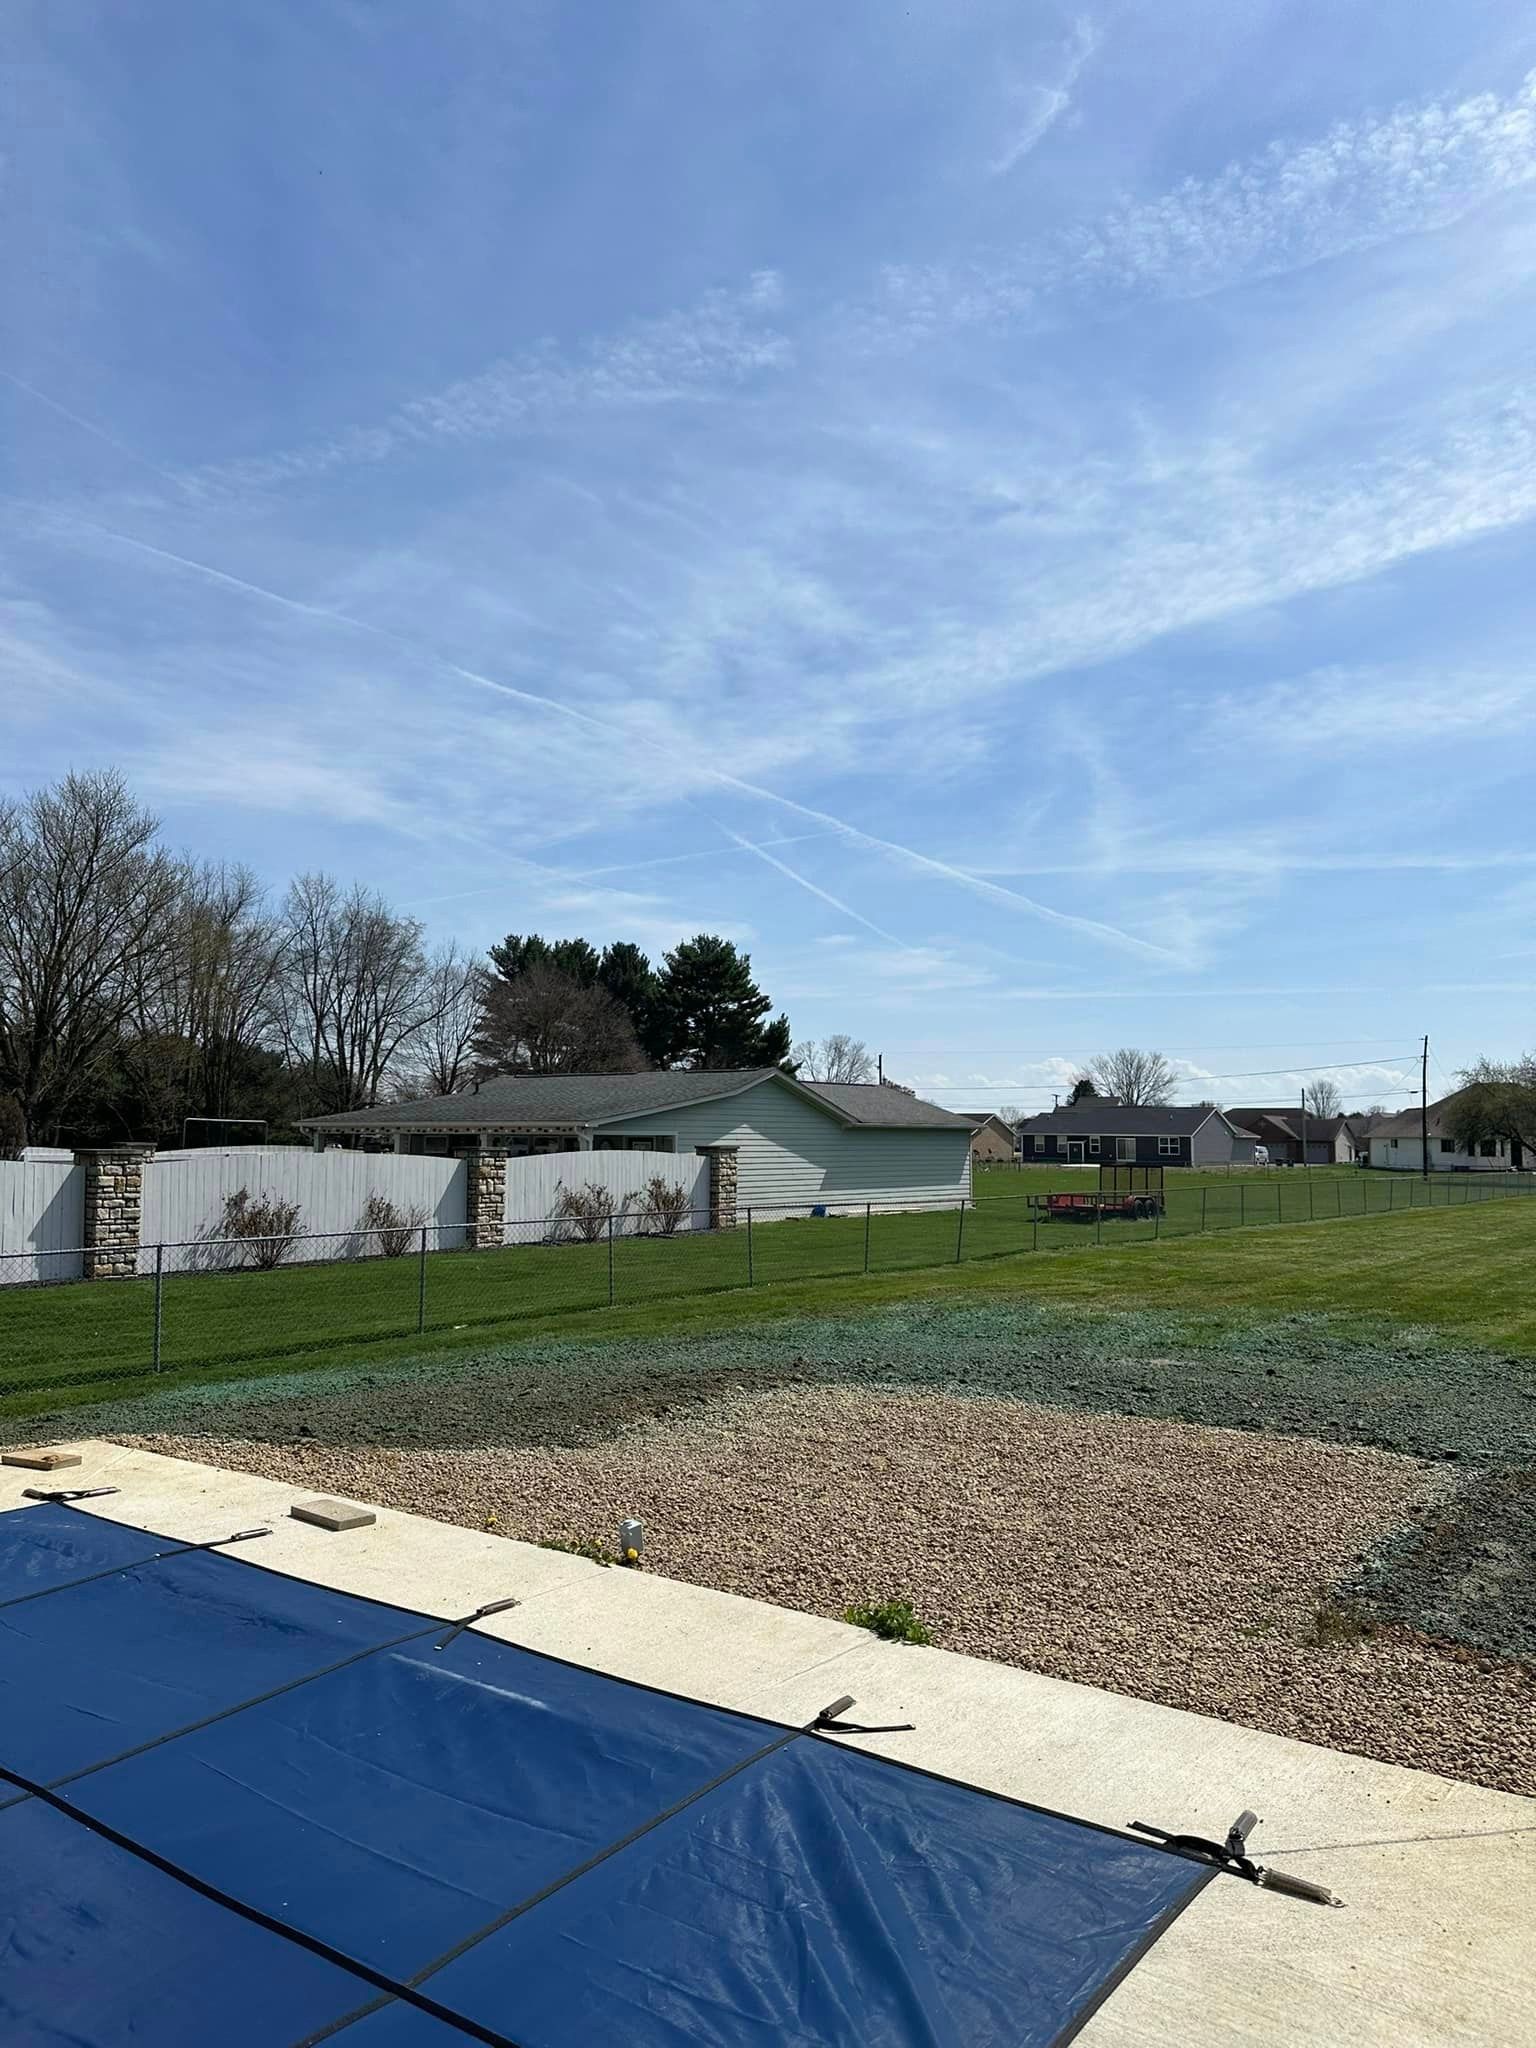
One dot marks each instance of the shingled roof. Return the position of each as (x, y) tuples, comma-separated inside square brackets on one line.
[(1097, 1116), (554, 1102)]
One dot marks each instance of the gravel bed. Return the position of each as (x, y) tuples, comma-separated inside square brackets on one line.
[(1178, 1562)]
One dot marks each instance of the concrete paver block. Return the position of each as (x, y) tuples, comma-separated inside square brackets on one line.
[(43, 1461), (334, 1515)]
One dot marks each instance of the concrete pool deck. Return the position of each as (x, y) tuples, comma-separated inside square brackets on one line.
[(1439, 1877)]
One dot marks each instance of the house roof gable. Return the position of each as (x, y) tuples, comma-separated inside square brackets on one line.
[(580, 1102)]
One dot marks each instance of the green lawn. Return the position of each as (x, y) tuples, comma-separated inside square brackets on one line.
[(1466, 1267)]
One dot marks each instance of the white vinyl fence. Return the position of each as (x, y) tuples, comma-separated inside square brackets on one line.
[(42, 1212), (185, 1194), (42, 1204), (534, 1187)]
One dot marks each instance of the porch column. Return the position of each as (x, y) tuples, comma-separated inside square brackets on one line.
[(722, 1184), (114, 1207), (485, 1200)]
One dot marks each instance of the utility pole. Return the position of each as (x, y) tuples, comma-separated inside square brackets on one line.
[(1424, 1106), (880, 1067)]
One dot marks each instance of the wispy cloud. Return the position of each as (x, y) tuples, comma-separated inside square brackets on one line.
[(1040, 104), (1422, 167), (906, 856), (1334, 709), (692, 354)]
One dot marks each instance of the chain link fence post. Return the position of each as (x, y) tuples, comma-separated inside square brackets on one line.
[(159, 1302), (610, 1258), (869, 1210), (1242, 1203), (751, 1270), (1034, 1223), (960, 1232), (1204, 1191), (421, 1283)]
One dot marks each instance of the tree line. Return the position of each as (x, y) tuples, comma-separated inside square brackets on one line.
[(141, 988)]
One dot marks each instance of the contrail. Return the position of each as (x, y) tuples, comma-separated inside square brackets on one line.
[(86, 426), (925, 863), (826, 895)]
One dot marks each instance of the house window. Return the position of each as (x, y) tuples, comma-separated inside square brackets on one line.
[(1167, 1148), (1488, 1148), (1125, 1149), (1093, 1147), (1447, 1144), (1394, 1144), (1042, 1146)]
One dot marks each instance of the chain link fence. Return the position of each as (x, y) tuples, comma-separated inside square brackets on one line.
[(223, 1304)]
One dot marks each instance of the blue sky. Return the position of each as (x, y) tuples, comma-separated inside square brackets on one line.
[(1022, 517)]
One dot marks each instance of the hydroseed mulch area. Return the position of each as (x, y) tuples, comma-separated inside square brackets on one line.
[(1426, 1603)]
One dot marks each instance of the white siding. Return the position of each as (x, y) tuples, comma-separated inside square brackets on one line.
[(1407, 1156), (534, 1184), (42, 1210), (184, 1195), (790, 1153)]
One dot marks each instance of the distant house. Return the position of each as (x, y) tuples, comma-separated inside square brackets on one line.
[(991, 1137), (1099, 1132), (1329, 1140), (795, 1141), (1397, 1144)]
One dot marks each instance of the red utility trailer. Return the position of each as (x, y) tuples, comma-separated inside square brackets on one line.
[(1129, 1193)]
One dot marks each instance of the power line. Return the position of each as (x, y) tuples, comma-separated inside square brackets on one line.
[(1047, 1051), (1194, 1080)]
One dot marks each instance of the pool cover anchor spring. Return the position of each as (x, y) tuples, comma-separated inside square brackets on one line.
[(61, 1496), (1232, 1857), (830, 1722)]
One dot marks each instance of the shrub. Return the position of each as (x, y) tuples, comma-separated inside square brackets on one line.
[(583, 1212), (396, 1231), (662, 1204), (261, 1228), (896, 1621)]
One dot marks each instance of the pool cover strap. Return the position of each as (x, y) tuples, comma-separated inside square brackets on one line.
[(583, 1869), (1231, 1856), (830, 1722), (61, 1496), (107, 1571), (458, 1628), (380, 1979)]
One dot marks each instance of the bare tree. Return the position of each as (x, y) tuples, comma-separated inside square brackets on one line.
[(1322, 1097), (543, 1022), (838, 1058), (207, 1002), (1012, 1114), (442, 1053), (1135, 1079), (87, 905), (356, 989)]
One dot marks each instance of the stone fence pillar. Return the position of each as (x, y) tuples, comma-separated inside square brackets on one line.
[(485, 1200), (722, 1184), (114, 1206)]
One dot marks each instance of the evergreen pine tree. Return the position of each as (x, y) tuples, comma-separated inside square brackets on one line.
[(710, 1012)]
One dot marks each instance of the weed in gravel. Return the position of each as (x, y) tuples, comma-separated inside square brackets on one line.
[(894, 1621), (1336, 1623)]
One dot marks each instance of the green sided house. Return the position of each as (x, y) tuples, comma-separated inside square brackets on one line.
[(794, 1142)]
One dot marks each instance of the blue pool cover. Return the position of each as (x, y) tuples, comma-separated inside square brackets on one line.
[(238, 1808)]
